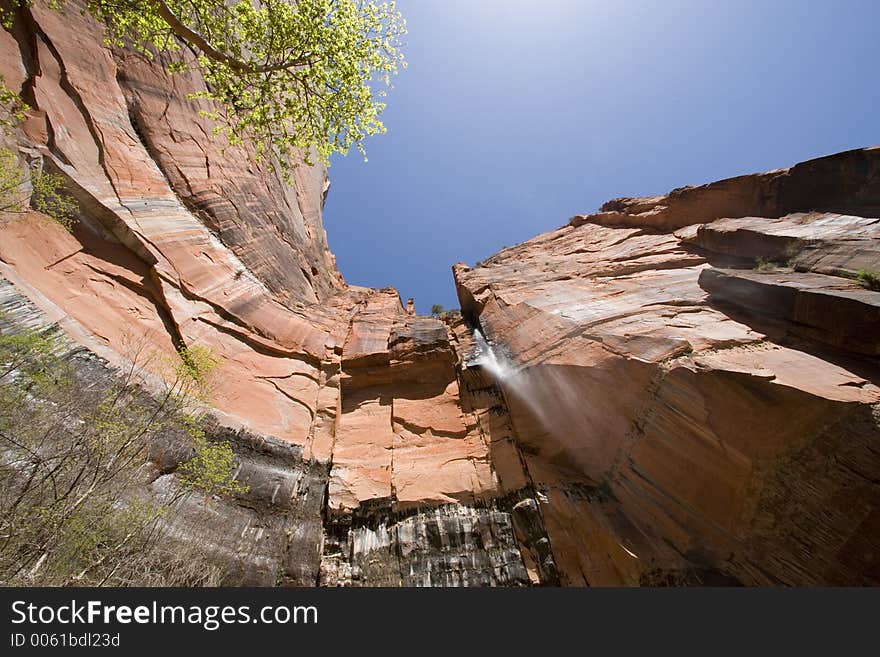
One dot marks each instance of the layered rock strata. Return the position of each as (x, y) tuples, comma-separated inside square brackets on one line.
[(335, 397), (690, 393), (694, 383)]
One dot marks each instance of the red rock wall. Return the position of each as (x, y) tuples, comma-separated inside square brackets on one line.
[(183, 240), (697, 388), (678, 416)]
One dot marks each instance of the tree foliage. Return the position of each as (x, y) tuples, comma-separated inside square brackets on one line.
[(74, 463), (48, 196), (12, 107), (868, 278), (46, 193), (286, 76), (212, 469)]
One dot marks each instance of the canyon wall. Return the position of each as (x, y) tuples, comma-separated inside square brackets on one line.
[(366, 462), (694, 379), (672, 414)]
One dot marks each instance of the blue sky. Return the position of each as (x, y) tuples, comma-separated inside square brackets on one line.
[(515, 115)]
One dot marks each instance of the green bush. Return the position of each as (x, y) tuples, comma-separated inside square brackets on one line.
[(74, 466), (869, 279), (47, 192), (764, 265), (212, 469), (48, 197), (12, 108), (47, 189)]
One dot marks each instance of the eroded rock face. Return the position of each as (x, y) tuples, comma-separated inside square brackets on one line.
[(845, 183), (337, 400), (669, 412), (693, 379)]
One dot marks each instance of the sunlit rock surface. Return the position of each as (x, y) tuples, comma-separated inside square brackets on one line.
[(692, 379), (683, 390), (183, 240)]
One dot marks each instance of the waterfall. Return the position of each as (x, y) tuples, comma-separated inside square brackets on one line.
[(514, 381), (500, 368), (546, 393)]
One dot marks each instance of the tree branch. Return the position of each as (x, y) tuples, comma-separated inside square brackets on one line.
[(191, 36)]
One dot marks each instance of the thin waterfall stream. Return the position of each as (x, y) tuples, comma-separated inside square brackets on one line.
[(545, 392), (513, 380)]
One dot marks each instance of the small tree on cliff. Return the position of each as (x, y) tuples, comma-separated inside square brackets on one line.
[(75, 456), (287, 76), (46, 193)]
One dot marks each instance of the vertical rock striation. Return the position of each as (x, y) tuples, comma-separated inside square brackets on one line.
[(696, 388), (342, 407), (671, 413)]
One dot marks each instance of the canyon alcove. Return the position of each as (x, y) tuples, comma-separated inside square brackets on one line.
[(673, 390)]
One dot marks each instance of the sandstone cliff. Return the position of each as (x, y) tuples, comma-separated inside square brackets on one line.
[(694, 378), (669, 414)]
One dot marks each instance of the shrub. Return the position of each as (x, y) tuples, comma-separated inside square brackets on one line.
[(12, 108), (764, 265), (50, 199), (74, 465), (11, 183), (212, 469), (47, 189), (869, 279), (47, 192)]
